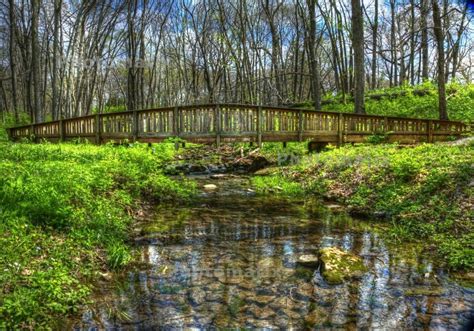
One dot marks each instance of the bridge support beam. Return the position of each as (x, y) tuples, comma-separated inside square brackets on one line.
[(429, 130), (32, 134), (97, 129), (135, 126), (61, 129), (340, 130), (300, 126), (259, 126), (218, 123)]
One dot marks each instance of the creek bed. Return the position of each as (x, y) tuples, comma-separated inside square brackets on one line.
[(230, 261)]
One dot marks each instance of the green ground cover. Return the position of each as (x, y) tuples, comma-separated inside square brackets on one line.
[(419, 101), (65, 212), (426, 191)]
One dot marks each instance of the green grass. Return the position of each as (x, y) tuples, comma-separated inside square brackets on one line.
[(460, 99), (65, 211), (426, 191)]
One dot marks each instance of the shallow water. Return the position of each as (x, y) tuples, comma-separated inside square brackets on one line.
[(229, 261)]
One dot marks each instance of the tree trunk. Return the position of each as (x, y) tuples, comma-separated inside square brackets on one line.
[(35, 61), (56, 57), (424, 40), (13, 57), (374, 44), (313, 61), (358, 46), (438, 32)]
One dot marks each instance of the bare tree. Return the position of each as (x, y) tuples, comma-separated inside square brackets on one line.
[(438, 32), (358, 46)]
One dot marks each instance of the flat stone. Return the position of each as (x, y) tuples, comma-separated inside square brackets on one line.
[(197, 296), (218, 176), (303, 292), (260, 300), (316, 317), (267, 262), (210, 187), (308, 260)]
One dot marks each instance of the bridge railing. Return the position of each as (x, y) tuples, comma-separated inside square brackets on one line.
[(236, 122)]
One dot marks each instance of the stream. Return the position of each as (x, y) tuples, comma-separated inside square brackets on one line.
[(229, 260)]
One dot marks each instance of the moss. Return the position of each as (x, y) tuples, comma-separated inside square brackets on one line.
[(338, 265), (424, 291)]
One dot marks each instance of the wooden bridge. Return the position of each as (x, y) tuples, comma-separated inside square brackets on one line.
[(234, 122)]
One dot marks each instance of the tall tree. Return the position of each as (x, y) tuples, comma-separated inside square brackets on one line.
[(312, 58), (35, 61), (12, 52), (56, 60), (375, 27), (438, 32), (424, 39), (358, 46)]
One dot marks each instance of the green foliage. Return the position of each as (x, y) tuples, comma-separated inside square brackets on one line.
[(64, 215), (8, 120), (425, 190), (458, 252), (277, 184), (416, 101), (377, 138)]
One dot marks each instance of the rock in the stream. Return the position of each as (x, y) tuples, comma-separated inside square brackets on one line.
[(210, 187), (196, 168), (218, 176), (197, 296), (308, 260), (251, 163), (337, 265)]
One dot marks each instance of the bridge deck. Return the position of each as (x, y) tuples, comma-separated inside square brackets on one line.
[(233, 122)]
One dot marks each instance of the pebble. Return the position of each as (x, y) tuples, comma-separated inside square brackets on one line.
[(308, 260), (210, 187)]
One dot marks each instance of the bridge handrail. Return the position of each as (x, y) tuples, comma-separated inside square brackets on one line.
[(239, 105), (178, 120)]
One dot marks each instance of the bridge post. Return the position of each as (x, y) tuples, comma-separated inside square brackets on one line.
[(259, 126), (61, 129), (32, 135), (218, 123), (176, 125), (429, 131), (135, 126), (97, 129), (340, 129), (300, 125)]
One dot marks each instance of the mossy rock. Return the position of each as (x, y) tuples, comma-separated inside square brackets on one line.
[(338, 266)]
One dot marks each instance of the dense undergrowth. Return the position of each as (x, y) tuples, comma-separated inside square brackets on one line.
[(414, 101), (426, 191), (64, 216)]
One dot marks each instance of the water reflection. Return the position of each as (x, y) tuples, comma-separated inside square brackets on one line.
[(230, 261)]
